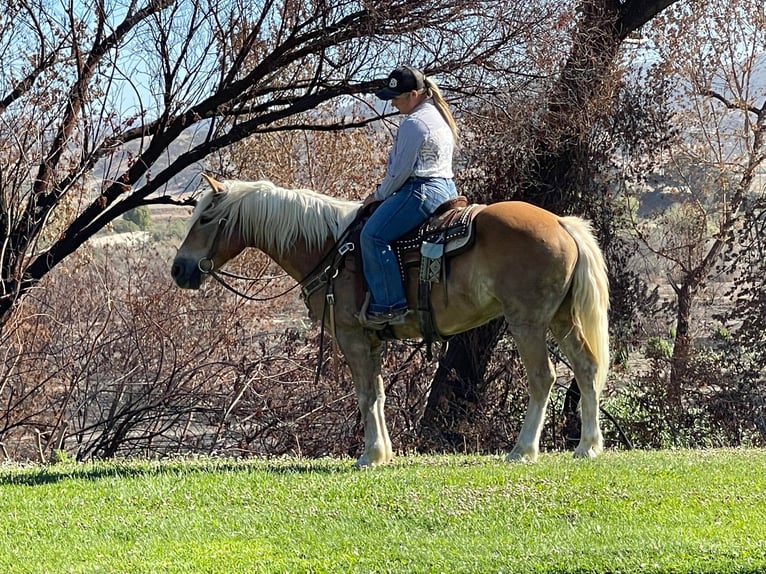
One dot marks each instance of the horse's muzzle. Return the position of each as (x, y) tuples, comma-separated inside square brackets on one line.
[(186, 274)]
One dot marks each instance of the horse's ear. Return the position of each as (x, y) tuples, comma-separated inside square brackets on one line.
[(216, 185)]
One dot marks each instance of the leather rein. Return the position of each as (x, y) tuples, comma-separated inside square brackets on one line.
[(207, 267)]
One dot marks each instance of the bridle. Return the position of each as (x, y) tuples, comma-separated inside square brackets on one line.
[(323, 275), (206, 266)]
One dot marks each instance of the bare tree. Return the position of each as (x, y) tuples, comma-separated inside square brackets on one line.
[(717, 62), (141, 90), (551, 168)]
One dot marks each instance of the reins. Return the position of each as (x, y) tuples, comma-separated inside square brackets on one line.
[(207, 267), (219, 277)]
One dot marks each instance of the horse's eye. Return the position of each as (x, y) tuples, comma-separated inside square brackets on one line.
[(205, 219)]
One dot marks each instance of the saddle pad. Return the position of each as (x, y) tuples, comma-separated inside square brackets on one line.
[(454, 229)]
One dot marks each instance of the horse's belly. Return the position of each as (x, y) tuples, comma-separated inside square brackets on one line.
[(460, 307)]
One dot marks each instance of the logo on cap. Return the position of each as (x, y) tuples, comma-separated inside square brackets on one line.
[(393, 83)]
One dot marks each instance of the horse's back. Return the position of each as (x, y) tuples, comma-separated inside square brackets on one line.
[(520, 219), (527, 238), (520, 266)]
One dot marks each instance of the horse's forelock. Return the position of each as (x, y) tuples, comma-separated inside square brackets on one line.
[(202, 204)]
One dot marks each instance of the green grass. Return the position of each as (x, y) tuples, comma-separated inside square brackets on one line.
[(685, 511)]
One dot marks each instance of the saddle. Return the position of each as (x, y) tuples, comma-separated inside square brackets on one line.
[(448, 232), (428, 248)]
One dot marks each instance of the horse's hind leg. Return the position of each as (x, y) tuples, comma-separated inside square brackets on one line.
[(572, 344), (540, 376)]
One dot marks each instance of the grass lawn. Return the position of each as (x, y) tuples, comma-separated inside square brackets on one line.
[(681, 511)]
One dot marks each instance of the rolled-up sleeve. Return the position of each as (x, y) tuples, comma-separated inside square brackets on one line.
[(404, 153)]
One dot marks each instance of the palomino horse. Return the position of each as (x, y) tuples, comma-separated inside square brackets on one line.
[(540, 271)]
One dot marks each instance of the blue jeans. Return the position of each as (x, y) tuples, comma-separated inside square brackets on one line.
[(415, 201)]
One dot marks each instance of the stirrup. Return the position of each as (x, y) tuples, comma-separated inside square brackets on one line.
[(380, 321)]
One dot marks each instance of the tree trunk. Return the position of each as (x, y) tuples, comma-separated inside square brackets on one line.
[(457, 383)]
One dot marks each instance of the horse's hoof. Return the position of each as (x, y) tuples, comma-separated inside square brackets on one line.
[(586, 452), (366, 461), (518, 456)]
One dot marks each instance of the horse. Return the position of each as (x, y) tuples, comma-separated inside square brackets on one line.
[(542, 272)]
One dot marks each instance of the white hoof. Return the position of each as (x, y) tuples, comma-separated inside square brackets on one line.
[(518, 456), (363, 462), (368, 460), (583, 451)]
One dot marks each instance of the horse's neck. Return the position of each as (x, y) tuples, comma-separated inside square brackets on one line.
[(300, 261), (314, 238)]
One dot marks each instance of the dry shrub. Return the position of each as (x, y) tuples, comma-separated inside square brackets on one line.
[(112, 360)]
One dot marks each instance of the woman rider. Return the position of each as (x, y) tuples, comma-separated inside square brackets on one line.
[(418, 180)]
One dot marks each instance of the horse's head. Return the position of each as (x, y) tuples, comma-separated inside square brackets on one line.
[(209, 244)]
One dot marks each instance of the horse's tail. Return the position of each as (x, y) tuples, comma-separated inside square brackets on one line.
[(590, 294)]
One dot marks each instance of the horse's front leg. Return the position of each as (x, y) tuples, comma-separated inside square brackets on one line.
[(362, 352)]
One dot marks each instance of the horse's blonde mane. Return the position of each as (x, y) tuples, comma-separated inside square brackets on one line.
[(273, 218)]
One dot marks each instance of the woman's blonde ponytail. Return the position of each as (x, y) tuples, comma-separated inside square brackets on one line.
[(433, 91)]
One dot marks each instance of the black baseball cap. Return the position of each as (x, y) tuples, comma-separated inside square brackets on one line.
[(402, 80)]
